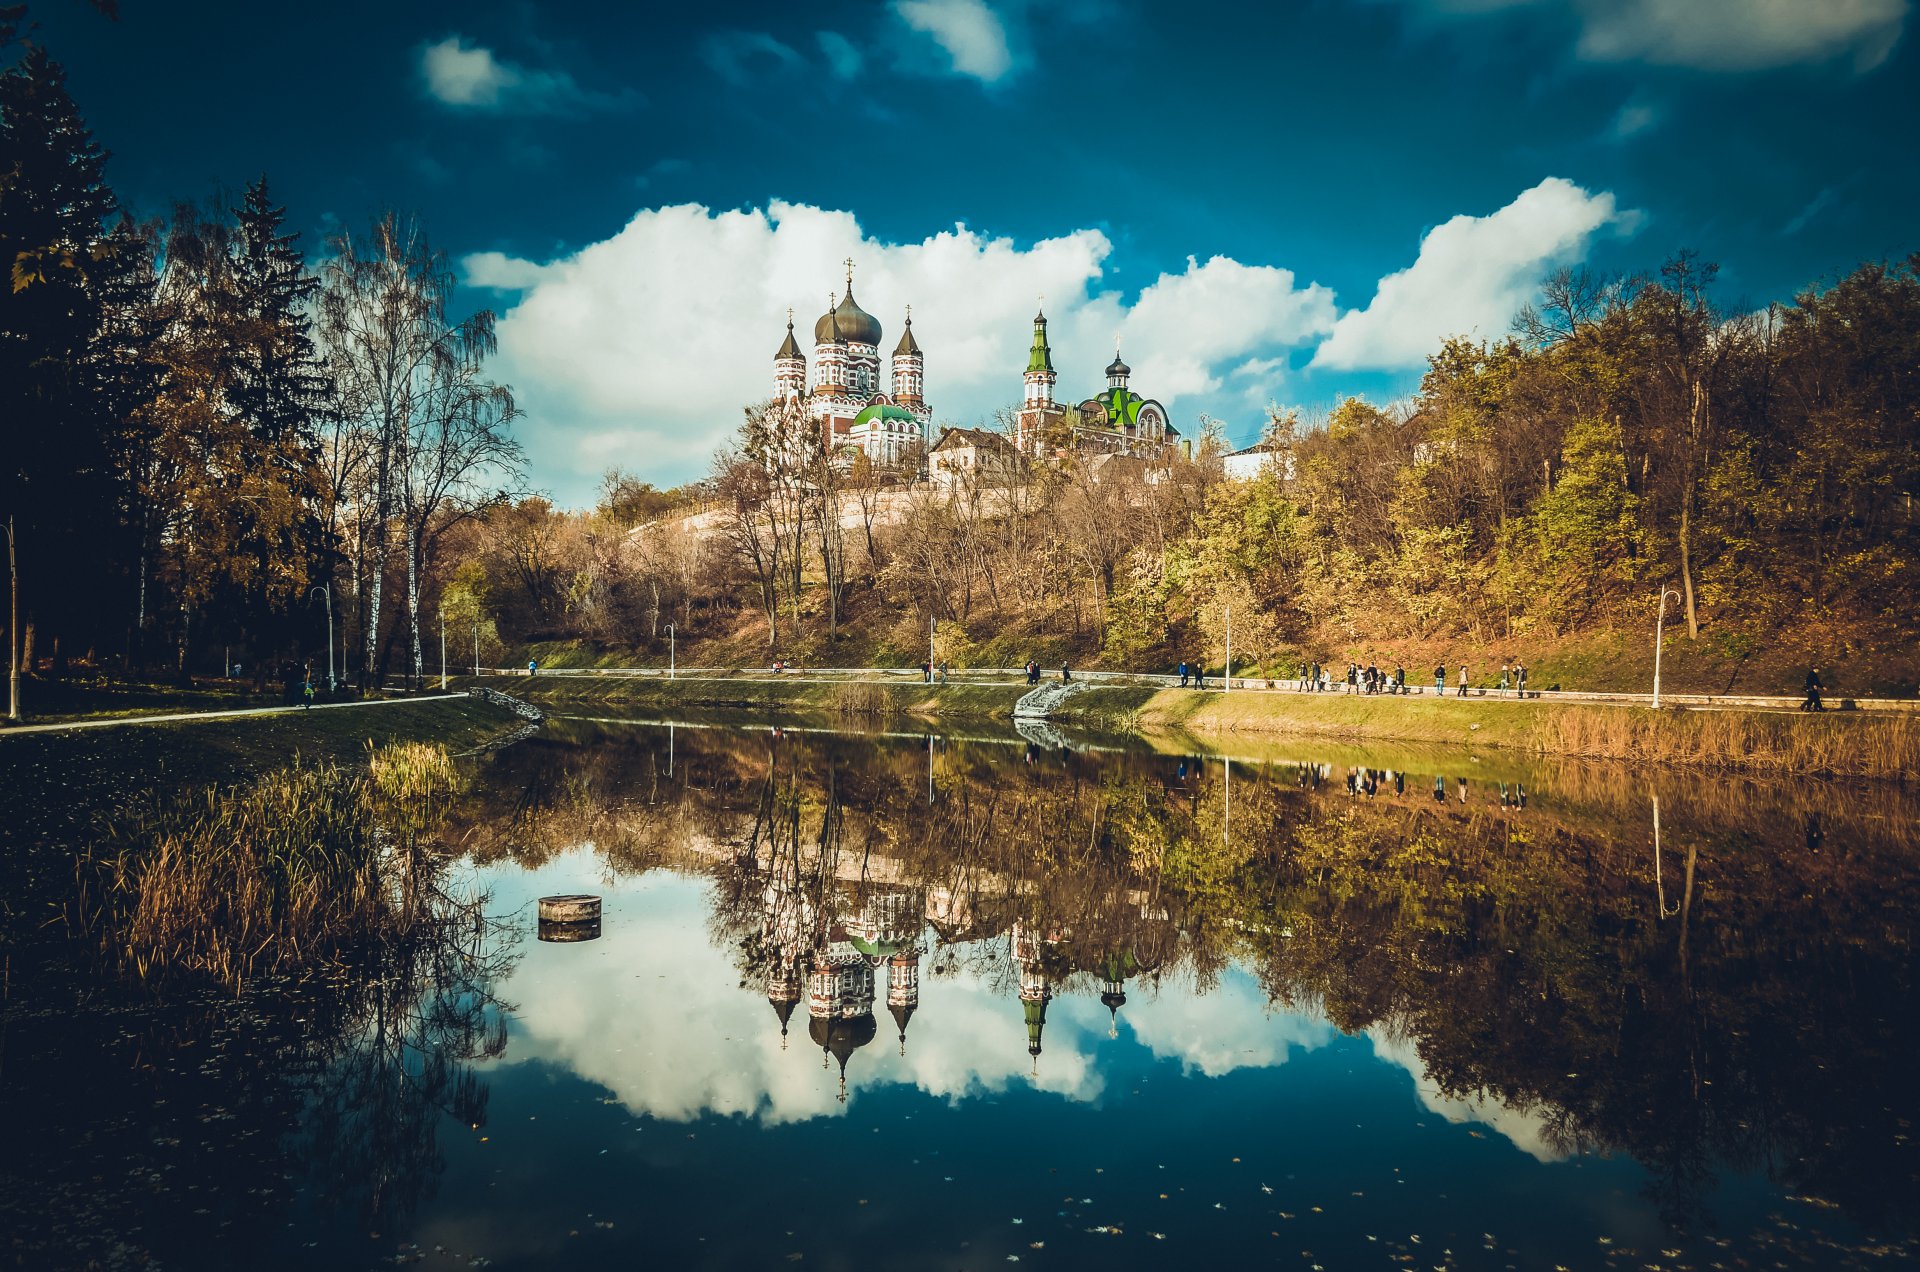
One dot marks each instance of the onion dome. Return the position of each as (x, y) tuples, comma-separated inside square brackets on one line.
[(907, 343), (783, 1008), (1117, 367), (857, 326), (840, 1038), (902, 1013), (827, 330)]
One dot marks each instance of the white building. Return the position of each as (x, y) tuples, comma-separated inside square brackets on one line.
[(1263, 456), (846, 395)]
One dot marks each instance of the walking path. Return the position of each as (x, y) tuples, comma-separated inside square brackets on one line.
[(1247, 684), (187, 716)]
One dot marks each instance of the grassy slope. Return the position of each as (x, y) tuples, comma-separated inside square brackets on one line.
[(795, 696), (1855, 661), (1853, 743)]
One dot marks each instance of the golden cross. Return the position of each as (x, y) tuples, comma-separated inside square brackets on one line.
[(849, 272), (909, 315)]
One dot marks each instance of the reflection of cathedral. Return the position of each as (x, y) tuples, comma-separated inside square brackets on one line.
[(846, 400), (831, 955), (841, 953)]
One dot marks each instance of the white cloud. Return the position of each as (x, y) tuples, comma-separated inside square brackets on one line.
[(1714, 35), (1527, 1129), (1472, 274), (1740, 35), (469, 76), (971, 33), (641, 350), (842, 57), (1632, 119)]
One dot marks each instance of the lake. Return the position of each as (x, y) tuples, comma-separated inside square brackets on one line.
[(908, 1001)]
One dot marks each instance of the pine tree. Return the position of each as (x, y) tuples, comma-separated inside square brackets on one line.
[(57, 476)]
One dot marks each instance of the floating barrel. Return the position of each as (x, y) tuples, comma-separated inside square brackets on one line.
[(568, 933), (575, 908)]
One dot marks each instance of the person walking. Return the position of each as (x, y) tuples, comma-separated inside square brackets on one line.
[(1353, 677), (1065, 674), (1814, 687), (1183, 675), (306, 691), (1399, 678), (1506, 678), (1440, 679), (533, 665), (1462, 691), (1520, 678)]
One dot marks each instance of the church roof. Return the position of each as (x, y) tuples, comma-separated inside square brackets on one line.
[(907, 343), (855, 324), (788, 349), (882, 412), (1040, 357), (980, 437), (827, 330)]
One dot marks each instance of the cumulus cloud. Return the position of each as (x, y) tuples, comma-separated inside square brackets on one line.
[(1714, 35), (1527, 1129), (1472, 274), (468, 76), (642, 349), (972, 34)]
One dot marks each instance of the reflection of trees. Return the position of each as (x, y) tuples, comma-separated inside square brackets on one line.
[(1746, 1004), (411, 1025)]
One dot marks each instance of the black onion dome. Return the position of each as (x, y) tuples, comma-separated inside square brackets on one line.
[(827, 330), (1117, 367), (857, 326)]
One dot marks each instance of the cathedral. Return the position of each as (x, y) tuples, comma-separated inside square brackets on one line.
[(1119, 421), (845, 400)]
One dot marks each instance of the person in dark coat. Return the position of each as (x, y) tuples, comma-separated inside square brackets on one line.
[(1814, 688)]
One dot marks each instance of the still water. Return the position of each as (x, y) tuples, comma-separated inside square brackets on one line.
[(909, 1002)]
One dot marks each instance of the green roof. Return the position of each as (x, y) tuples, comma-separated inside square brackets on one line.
[(882, 412), (1122, 407), (1040, 358)]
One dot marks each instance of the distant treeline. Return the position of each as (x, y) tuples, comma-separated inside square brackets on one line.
[(1630, 437)]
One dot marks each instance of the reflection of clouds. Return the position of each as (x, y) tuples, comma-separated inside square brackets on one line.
[(1526, 1129), (1232, 1027), (637, 1012)]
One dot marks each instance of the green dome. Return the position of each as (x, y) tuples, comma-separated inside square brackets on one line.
[(881, 412), (877, 949)]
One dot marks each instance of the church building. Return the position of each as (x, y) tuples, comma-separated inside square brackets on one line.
[(846, 398), (1119, 421)]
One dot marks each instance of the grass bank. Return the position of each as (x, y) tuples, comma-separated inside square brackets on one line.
[(862, 700), (1836, 743)]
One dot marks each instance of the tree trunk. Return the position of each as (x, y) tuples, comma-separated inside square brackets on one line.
[(413, 602), (1696, 428)]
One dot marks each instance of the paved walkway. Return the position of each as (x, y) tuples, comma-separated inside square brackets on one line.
[(189, 716), (1248, 684)]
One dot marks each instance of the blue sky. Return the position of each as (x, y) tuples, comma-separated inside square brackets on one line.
[(1281, 203)]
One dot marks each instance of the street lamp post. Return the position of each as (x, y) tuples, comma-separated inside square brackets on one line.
[(326, 590), (443, 649), (476, 644), (672, 655), (1227, 682), (13, 629), (1659, 622)]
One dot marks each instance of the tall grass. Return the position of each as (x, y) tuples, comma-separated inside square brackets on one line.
[(864, 699), (1841, 743), (285, 873)]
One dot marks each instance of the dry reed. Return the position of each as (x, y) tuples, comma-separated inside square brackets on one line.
[(287, 872), (1847, 743), (864, 699)]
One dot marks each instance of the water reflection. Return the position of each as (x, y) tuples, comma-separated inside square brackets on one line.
[(1734, 996)]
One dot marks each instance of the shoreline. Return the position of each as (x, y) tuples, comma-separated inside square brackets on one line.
[(1880, 745)]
